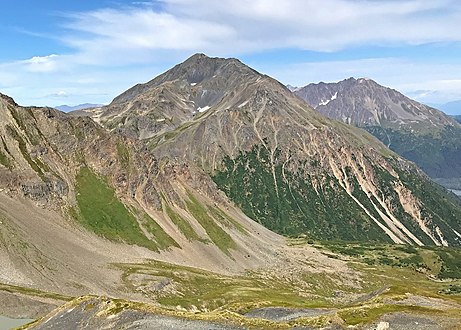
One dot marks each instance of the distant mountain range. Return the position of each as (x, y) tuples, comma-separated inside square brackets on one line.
[(68, 108), (415, 131), (451, 108)]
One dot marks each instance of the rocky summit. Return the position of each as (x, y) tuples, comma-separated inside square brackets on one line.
[(413, 130), (171, 200)]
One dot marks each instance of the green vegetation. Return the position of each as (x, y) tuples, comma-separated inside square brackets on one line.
[(208, 291), (102, 212), (379, 289), (295, 207), (123, 155), (204, 295), (217, 235), (184, 226), (162, 239), (438, 153), (25, 153), (440, 262), (386, 182), (367, 314), (450, 263), (26, 121), (453, 289), (228, 221), (33, 292), (444, 208), (4, 160), (311, 202)]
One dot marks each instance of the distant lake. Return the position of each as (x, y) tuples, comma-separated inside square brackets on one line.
[(6, 323), (457, 192)]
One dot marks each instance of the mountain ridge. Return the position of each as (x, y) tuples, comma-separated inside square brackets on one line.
[(256, 120), (382, 108), (111, 188), (415, 131)]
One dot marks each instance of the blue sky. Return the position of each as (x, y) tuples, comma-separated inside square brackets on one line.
[(71, 52)]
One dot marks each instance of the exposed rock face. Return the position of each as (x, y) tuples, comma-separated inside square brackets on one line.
[(415, 131), (284, 164), (363, 102), (103, 313), (102, 191), (173, 98)]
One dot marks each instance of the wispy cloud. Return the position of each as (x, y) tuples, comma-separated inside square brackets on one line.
[(36, 81), (113, 48), (236, 27)]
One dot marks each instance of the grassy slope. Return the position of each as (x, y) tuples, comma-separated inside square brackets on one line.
[(102, 212), (217, 235)]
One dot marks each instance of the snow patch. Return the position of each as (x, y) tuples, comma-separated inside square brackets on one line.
[(205, 108), (334, 97), (193, 84), (361, 80), (324, 102)]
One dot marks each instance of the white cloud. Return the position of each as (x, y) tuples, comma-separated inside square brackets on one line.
[(42, 63), (230, 27), (139, 35), (114, 48), (60, 94), (70, 81)]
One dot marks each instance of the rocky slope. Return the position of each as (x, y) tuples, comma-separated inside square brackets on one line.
[(74, 196), (282, 163), (413, 130)]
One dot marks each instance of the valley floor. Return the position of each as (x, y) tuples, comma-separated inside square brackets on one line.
[(371, 287)]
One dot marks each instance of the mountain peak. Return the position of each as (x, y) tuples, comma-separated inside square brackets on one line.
[(416, 131), (352, 81), (194, 70), (199, 67)]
